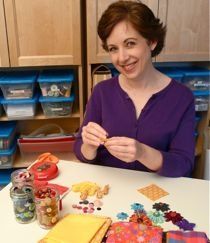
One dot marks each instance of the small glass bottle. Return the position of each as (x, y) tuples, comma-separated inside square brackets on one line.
[(23, 203), (47, 206), (22, 177)]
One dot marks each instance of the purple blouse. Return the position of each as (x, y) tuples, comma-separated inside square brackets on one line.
[(166, 123)]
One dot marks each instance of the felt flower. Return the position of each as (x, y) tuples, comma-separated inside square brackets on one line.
[(137, 207), (185, 225), (140, 218), (157, 217), (122, 216), (161, 206), (173, 216)]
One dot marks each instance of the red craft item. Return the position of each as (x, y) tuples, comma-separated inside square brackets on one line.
[(44, 170)]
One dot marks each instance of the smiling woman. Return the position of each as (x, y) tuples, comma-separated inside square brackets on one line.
[(140, 119)]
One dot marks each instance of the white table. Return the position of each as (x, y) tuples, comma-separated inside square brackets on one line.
[(189, 197)]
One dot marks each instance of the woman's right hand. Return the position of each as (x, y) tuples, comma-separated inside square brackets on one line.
[(93, 135)]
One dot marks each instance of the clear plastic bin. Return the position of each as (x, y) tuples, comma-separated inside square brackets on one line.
[(57, 107), (18, 84), (7, 157), (7, 134), (56, 83), (201, 103), (20, 109), (197, 78)]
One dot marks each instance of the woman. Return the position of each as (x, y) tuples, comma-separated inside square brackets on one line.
[(141, 119)]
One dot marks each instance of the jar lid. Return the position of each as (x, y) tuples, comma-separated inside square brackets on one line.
[(21, 176), (44, 170)]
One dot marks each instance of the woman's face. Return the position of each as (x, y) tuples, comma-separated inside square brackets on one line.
[(129, 51)]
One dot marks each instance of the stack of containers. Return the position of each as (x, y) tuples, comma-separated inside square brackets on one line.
[(57, 96), (8, 143), (18, 90), (197, 79)]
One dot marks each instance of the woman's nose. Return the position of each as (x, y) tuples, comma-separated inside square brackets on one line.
[(123, 55)]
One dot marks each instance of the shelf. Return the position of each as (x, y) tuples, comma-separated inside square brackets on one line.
[(40, 116)]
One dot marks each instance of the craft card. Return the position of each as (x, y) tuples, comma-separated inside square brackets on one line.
[(153, 192)]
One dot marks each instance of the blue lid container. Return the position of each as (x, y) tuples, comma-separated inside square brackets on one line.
[(195, 71), (2, 74), (58, 99), (7, 128), (201, 92), (7, 157), (20, 101), (56, 83), (7, 134), (20, 108), (18, 84), (197, 78), (56, 107), (19, 77), (56, 76)]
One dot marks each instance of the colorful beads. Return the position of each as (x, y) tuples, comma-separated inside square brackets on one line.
[(89, 207), (47, 206), (23, 203), (22, 177)]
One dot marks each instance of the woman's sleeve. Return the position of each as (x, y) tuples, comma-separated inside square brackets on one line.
[(179, 160), (92, 114)]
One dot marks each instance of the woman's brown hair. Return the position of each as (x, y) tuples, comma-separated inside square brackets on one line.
[(141, 18)]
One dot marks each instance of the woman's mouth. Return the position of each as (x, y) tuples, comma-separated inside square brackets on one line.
[(129, 67)]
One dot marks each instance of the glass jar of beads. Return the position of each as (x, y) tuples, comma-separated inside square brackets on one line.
[(23, 203), (47, 206), (22, 177)]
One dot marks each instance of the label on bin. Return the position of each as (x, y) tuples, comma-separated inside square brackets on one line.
[(17, 91)]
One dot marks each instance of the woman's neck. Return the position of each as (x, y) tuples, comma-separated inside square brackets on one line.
[(150, 81)]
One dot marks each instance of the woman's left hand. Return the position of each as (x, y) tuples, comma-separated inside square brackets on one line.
[(123, 148)]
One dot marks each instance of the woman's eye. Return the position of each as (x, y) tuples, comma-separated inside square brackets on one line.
[(130, 44), (112, 49)]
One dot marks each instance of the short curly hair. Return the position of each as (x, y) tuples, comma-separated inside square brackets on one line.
[(140, 17)]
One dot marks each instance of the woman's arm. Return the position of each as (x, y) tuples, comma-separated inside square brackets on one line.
[(90, 134), (177, 161)]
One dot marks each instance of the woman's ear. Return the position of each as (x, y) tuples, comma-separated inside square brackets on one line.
[(152, 45)]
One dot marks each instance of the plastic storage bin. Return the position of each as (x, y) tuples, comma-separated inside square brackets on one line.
[(20, 108), (7, 157), (18, 84), (197, 78), (7, 134), (56, 107), (201, 103), (56, 83), (201, 100)]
